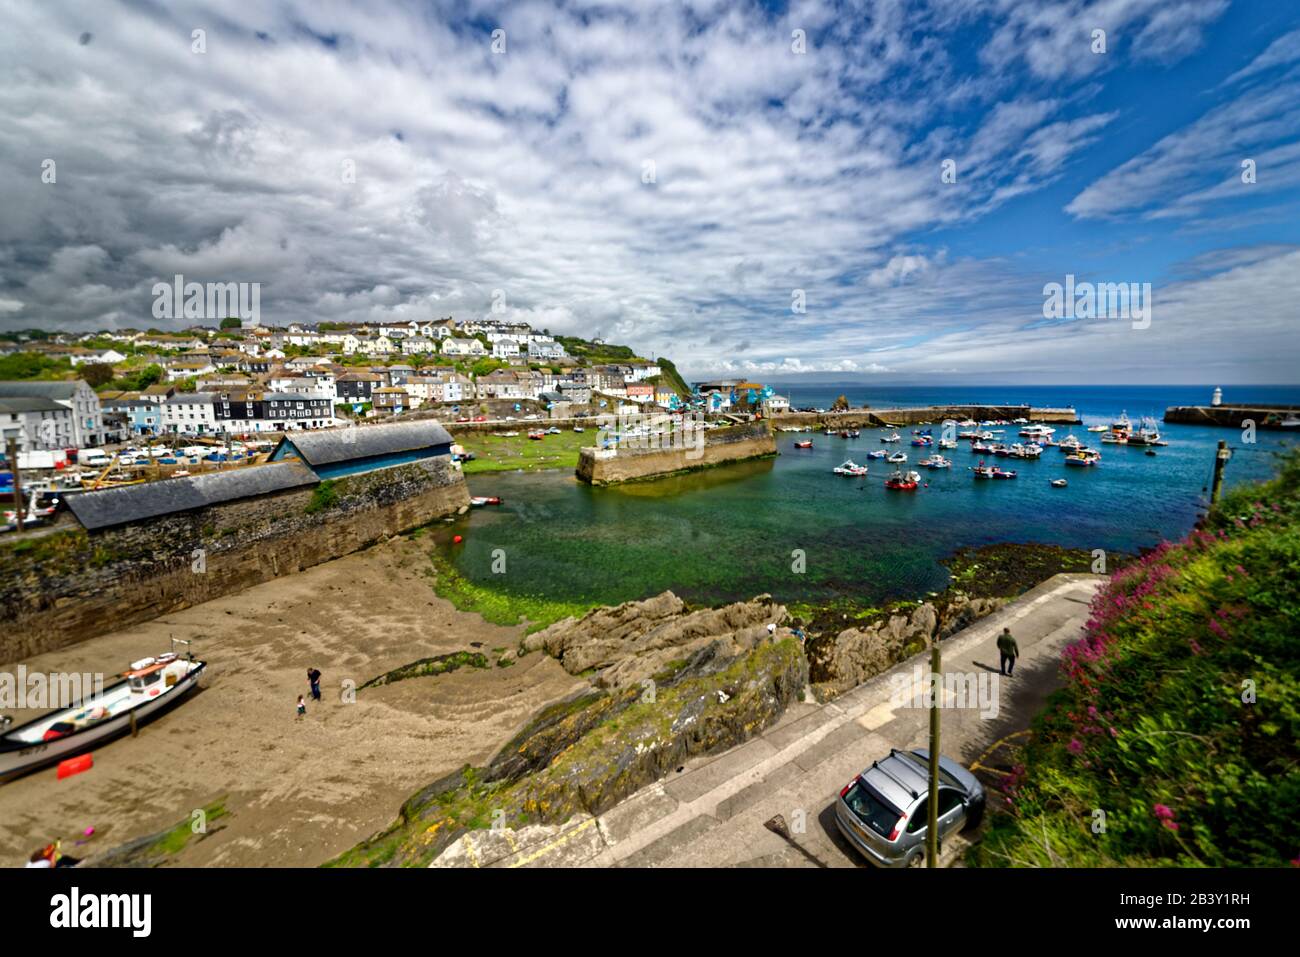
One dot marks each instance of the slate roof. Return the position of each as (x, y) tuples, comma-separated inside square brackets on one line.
[(132, 503), (48, 390), (30, 404), (327, 446)]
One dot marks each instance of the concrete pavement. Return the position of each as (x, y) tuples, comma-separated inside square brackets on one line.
[(713, 811)]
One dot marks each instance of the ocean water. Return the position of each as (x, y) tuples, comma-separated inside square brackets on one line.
[(737, 531)]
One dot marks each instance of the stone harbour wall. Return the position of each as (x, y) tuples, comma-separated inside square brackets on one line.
[(68, 586), (934, 415), (721, 446)]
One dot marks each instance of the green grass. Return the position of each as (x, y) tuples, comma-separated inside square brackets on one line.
[(425, 667), (1180, 717), (178, 838), (493, 453), (323, 496), (500, 608)]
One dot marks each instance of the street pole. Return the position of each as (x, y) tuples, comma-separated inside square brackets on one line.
[(11, 453), (932, 803), (1220, 460)]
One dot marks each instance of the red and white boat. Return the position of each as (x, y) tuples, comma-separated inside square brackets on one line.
[(904, 482), (148, 686)]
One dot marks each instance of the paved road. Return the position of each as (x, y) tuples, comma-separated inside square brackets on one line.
[(712, 813)]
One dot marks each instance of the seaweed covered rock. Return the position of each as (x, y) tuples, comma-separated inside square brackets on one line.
[(629, 643), (584, 755)]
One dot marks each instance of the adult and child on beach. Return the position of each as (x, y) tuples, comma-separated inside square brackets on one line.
[(313, 680)]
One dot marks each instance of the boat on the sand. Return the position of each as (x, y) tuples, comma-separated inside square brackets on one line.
[(148, 686)]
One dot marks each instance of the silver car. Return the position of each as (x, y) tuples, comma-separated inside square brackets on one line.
[(883, 812)]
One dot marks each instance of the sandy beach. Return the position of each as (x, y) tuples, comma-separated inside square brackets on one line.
[(298, 791)]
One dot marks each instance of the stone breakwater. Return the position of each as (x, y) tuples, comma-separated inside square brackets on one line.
[(1235, 416), (68, 586), (933, 414), (739, 443)]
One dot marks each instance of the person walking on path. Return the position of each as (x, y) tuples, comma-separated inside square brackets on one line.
[(313, 679), (1009, 652), (302, 707)]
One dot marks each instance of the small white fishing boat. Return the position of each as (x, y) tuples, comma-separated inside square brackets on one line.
[(1036, 431), (1097, 428), (1083, 457), (1059, 483), (850, 468), (935, 462), (897, 457), (891, 437), (878, 454), (148, 686)]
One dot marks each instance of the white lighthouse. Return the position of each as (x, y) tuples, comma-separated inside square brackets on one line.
[(1218, 397)]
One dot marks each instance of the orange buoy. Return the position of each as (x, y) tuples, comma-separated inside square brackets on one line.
[(71, 766)]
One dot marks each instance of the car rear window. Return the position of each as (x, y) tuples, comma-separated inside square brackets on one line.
[(873, 811)]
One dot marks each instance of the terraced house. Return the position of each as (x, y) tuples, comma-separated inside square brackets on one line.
[(75, 396)]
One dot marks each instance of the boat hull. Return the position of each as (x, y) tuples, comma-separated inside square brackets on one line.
[(17, 758)]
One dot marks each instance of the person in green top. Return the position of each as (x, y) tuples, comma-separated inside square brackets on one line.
[(1009, 651)]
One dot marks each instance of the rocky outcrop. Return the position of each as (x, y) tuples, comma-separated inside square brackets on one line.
[(583, 756), (856, 654), (637, 640)]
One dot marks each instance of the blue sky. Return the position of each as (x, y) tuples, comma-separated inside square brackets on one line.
[(678, 176)]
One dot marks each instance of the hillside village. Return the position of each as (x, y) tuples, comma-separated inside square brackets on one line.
[(62, 390)]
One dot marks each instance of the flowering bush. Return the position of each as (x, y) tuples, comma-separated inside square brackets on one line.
[(1180, 715)]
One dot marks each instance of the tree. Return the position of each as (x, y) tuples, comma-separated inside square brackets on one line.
[(841, 404), (231, 322), (96, 374)]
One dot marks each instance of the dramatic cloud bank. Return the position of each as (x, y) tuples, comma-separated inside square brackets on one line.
[(676, 176)]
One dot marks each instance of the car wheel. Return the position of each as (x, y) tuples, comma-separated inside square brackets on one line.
[(917, 859)]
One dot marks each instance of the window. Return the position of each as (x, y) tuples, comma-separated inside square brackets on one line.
[(948, 799), (872, 810), (920, 817)]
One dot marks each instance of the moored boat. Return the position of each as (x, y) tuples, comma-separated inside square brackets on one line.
[(806, 444), (478, 501), (905, 482), (1083, 457), (850, 468), (1059, 483), (148, 686), (1037, 431), (897, 458)]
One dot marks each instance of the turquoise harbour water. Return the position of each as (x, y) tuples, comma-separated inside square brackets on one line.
[(729, 533)]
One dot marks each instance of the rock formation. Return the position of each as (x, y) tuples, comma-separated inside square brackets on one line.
[(634, 641), (856, 654)]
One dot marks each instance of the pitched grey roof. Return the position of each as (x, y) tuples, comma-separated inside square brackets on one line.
[(132, 503), (46, 390), (326, 446), (30, 404)]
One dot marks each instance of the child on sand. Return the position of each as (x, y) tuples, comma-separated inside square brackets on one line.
[(302, 707)]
